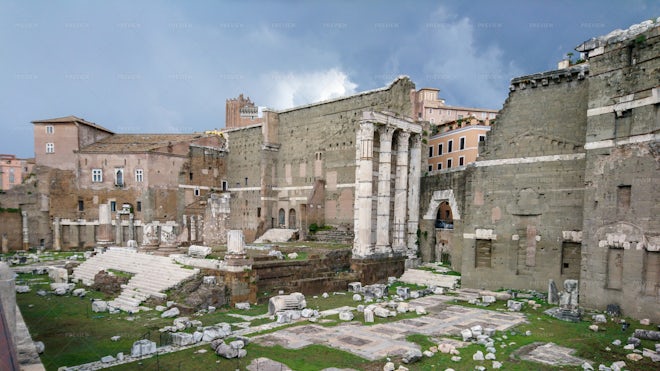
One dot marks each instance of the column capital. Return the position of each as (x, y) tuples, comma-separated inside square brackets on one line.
[(403, 135), (385, 132)]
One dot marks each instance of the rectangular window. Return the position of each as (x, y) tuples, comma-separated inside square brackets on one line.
[(139, 175), (258, 212), (50, 147), (448, 163), (461, 161), (11, 175), (450, 146), (224, 185), (138, 206), (461, 143), (483, 254), (246, 181), (113, 206), (49, 129), (97, 175), (623, 197), (430, 167), (439, 165), (440, 149), (81, 205), (196, 192), (482, 138), (430, 151)]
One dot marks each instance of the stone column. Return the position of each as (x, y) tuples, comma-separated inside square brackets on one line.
[(26, 235), (131, 227), (193, 229), (5, 243), (384, 189), (363, 189), (57, 234), (104, 234), (414, 173), (118, 230), (400, 193)]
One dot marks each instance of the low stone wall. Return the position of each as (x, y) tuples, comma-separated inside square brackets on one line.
[(371, 271), (311, 276)]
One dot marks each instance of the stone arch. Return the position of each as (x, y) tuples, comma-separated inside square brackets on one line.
[(444, 216), (292, 218), (446, 195)]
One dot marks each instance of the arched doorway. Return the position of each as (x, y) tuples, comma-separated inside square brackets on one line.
[(444, 218), (292, 218), (281, 218)]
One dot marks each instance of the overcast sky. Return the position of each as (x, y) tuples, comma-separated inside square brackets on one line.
[(169, 66)]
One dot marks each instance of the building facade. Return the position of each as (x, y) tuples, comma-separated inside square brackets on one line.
[(13, 170), (456, 143), (566, 184), (332, 163)]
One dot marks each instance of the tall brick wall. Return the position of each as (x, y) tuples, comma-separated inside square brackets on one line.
[(622, 178), (527, 187)]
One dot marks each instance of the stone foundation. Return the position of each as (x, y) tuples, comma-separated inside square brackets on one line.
[(377, 270)]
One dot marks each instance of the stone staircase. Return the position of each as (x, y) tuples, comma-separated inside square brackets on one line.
[(428, 278), (332, 236), (151, 275), (278, 235)]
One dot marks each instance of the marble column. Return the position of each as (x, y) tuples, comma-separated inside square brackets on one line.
[(57, 234), (414, 174), (193, 229), (118, 230), (384, 189), (131, 227), (26, 235), (362, 245), (104, 233), (400, 193)]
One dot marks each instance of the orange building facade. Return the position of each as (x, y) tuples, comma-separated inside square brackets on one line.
[(13, 170)]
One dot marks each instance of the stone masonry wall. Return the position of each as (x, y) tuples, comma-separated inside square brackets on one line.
[(526, 189), (621, 242)]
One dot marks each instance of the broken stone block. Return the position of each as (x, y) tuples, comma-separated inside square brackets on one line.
[(143, 347), (476, 330), (489, 356), (381, 312), (497, 365), (355, 287), (466, 334), (489, 331), (389, 366), (197, 251), (514, 306), (428, 353), (21, 289), (283, 318), (618, 365), (599, 318), (368, 315), (478, 356), (182, 339), (58, 275), (209, 280), (593, 328), (108, 359), (40, 346), (420, 310), (488, 299), (645, 322), (634, 357), (357, 297), (115, 338), (456, 359), (346, 316), (403, 292), (173, 312), (403, 307), (294, 301), (242, 306), (613, 310), (411, 356), (99, 306), (217, 331)]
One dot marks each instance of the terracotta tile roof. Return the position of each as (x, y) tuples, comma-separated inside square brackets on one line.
[(137, 142), (69, 119)]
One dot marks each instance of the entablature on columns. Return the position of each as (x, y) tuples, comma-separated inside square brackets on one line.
[(384, 118)]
